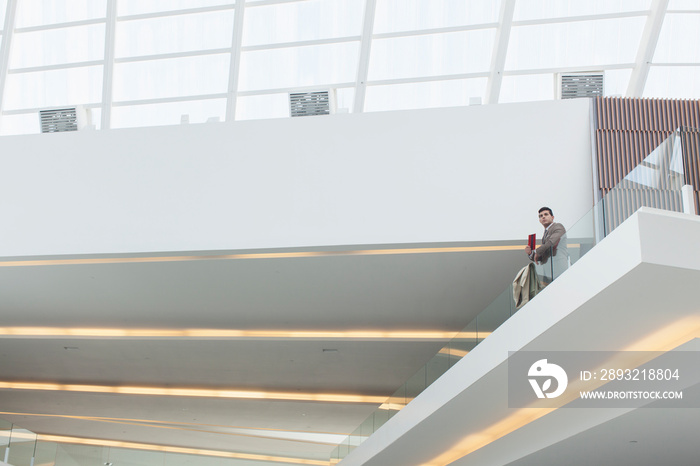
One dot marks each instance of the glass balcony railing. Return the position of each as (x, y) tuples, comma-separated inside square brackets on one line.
[(655, 182), (20, 447)]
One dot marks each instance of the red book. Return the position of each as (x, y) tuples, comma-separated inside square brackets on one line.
[(532, 241)]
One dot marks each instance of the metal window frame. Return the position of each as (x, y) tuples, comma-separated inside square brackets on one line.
[(655, 16)]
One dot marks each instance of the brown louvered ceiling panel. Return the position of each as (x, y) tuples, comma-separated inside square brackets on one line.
[(627, 130), (617, 113), (691, 149), (620, 151)]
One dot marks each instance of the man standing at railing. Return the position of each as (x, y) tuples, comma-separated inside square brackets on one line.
[(553, 245)]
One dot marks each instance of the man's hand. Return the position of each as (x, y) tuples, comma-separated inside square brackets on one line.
[(528, 250)]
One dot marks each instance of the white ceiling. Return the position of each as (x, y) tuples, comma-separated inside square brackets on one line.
[(433, 291), (648, 436)]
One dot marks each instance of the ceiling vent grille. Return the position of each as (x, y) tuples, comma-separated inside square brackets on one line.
[(59, 120), (577, 85), (312, 103)]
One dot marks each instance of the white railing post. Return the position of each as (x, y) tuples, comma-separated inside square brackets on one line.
[(687, 195)]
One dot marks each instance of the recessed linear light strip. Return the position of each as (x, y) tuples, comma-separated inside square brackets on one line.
[(181, 450), (454, 352), (265, 255), (282, 436), (197, 392), (155, 423), (286, 435), (31, 332)]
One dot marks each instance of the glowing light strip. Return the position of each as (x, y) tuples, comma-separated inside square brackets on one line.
[(184, 451), (196, 392), (265, 255), (282, 436), (153, 421), (454, 352), (276, 435), (233, 333), (665, 339), (260, 432), (395, 406), (22, 435)]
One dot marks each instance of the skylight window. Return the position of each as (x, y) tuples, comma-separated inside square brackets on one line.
[(32, 13), (409, 15), (432, 55), (48, 47), (578, 44), (174, 34), (677, 32), (139, 7), (541, 9), (175, 77), (302, 21), (43, 89), (198, 57), (292, 67)]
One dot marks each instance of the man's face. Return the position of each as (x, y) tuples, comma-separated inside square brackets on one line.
[(546, 218)]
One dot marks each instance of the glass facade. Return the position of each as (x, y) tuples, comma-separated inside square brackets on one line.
[(152, 62)]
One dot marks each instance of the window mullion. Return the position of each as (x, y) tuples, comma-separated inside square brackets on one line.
[(108, 68), (647, 46), (235, 62), (500, 49), (8, 30), (365, 49)]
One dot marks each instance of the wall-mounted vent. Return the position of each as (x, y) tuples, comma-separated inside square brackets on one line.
[(58, 120), (312, 103), (576, 85)]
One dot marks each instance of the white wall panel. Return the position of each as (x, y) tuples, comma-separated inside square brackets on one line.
[(451, 174)]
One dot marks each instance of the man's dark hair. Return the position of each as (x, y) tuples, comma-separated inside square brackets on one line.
[(546, 208)]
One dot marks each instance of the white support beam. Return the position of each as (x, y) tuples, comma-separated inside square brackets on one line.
[(428, 79), (301, 43), (566, 69), (442, 30), (36, 110), (286, 90), (69, 24), (166, 100), (647, 46), (365, 49), (271, 2), (5, 47), (235, 62), (170, 13), (580, 18), (108, 69), (61, 66), (167, 56), (678, 63), (500, 48)]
